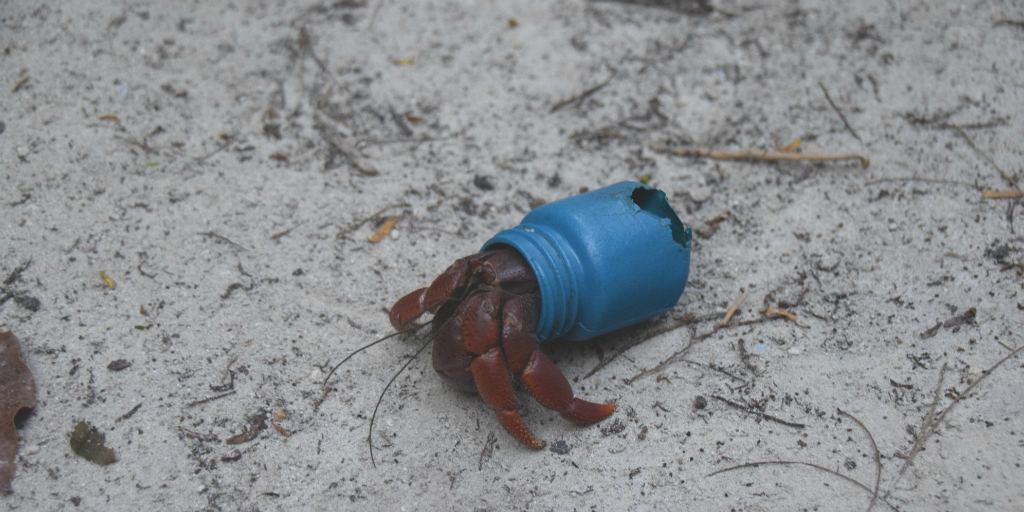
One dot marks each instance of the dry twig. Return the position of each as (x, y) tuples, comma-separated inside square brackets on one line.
[(988, 159), (694, 339), (583, 95), (840, 112), (759, 154), (798, 463), (878, 458), (757, 412), (735, 305), (928, 429), (688, 320)]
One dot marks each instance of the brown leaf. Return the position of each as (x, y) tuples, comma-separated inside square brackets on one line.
[(930, 333), (384, 229), (17, 391), (966, 318), (248, 435)]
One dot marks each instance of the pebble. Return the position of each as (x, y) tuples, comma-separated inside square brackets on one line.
[(701, 194)]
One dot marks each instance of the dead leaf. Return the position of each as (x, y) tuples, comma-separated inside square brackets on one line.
[(780, 311), (87, 442), (789, 148), (281, 430), (17, 391), (930, 333), (966, 318), (248, 435), (384, 229), (107, 279)]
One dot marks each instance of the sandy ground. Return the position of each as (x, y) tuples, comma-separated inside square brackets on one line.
[(225, 162)]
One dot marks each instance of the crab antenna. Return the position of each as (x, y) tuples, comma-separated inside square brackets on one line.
[(364, 347), (373, 417)]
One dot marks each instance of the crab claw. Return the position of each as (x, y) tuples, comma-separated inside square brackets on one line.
[(408, 309)]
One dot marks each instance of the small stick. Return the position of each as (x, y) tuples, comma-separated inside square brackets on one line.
[(938, 419), (798, 463), (487, 450), (735, 306), (766, 416), (373, 16), (212, 398), (926, 425), (716, 368), (924, 180), (227, 142), (18, 85), (676, 356), (1002, 194), (878, 458), (644, 337), (129, 414), (215, 236), (759, 154), (583, 95), (988, 158), (841, 116)]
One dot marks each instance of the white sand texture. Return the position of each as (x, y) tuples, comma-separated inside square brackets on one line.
[(225, 164)]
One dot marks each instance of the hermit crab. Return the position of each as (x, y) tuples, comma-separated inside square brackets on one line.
[(573, 269)]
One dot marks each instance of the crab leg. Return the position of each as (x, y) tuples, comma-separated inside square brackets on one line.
[(490, 371), (480, 331), (540, 376)]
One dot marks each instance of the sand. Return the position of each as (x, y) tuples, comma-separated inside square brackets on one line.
[(225, 163)]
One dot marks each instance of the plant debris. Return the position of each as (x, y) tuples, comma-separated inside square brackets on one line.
[(735, 305), (966, 318), (487, 451), (17, 391), (560, 447), (384, 230), (758, 154), (108, 280), (88, 443), (118, 365), (248, 435)]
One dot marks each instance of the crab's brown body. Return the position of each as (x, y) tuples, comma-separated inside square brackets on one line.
[(486, 308)]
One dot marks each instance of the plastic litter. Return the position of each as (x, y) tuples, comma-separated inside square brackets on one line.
[(604, 260)]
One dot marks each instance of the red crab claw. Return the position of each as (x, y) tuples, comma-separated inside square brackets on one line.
[(452, 282), (408, 309)]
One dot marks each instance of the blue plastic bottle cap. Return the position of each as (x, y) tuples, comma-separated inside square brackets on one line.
[(604, 259)]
